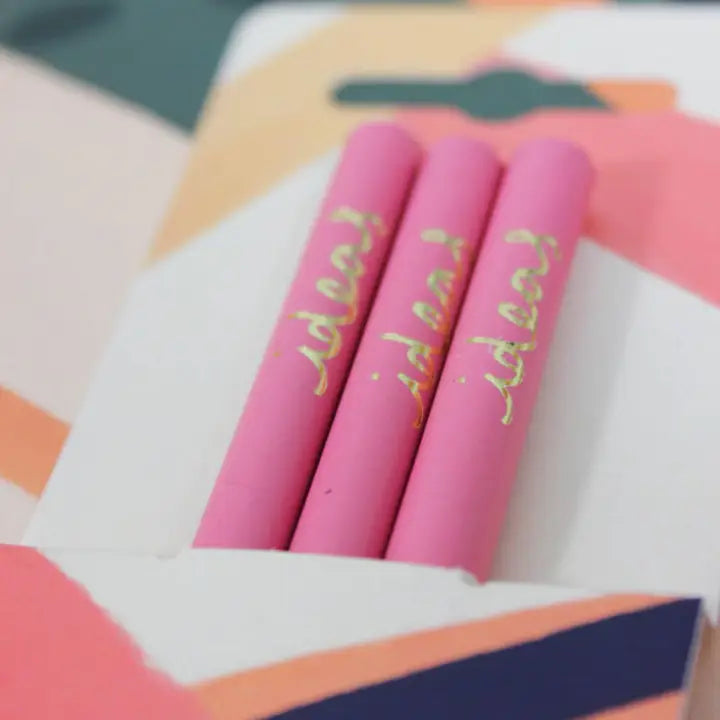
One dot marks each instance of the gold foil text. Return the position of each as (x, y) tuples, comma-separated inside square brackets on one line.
[(347, 260), (442, 284), (524, 280)]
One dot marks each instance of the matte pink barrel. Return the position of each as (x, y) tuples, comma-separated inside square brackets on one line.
[(272, 456), (365, 463), (458, 491)]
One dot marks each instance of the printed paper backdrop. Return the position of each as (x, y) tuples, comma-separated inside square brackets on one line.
[(613, 494), (606, 656)]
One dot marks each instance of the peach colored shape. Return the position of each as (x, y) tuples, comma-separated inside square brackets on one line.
[(30, 442), (62, 657), (639, 96), (663, 707), (658, 175)]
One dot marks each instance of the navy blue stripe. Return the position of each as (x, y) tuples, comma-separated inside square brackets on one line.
[(569, 674)]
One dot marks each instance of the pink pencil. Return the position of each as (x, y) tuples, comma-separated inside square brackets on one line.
[(366, 460), (257, 495), (452, 511)]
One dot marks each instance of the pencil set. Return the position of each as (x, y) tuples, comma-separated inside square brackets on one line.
[(390, 409)]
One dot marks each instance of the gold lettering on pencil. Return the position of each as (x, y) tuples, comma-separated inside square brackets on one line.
[(420, 356), (454, 244), (525, 281), (431, 316), (442, 283), (347, 260)]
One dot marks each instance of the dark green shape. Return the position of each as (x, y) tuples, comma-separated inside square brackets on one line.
[(493, 95), (160, 54), (57, 21)]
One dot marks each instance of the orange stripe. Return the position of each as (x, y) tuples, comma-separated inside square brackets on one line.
[(30, 442), (265, 691), (664, 707), (628, 96)]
